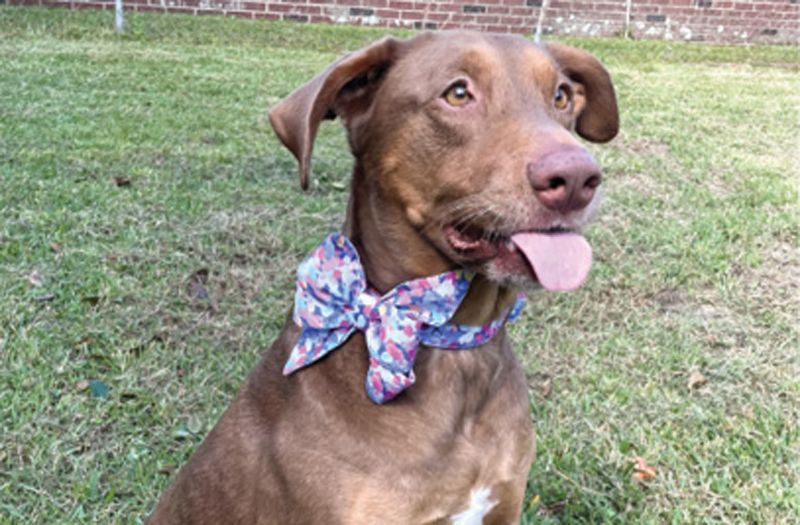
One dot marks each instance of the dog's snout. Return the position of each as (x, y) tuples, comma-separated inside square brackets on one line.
[(565, 179)]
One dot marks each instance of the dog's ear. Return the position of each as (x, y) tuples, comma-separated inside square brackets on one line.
[(345, 88), (598, 117)]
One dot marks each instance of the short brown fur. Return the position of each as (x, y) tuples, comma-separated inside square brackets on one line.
[(311, 448)]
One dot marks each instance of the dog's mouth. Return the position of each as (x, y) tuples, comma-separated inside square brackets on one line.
[(559, 259)]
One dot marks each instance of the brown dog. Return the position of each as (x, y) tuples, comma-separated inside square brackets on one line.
[(464, 158)]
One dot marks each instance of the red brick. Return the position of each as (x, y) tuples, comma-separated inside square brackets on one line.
[(400, 4), (440, 7), (498, 10), (412, 15), (151, 8), (387, 13), (307, 9), (239, 14), (279, 8)]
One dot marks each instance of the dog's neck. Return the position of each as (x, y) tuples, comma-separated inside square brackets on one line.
[(392, 251)]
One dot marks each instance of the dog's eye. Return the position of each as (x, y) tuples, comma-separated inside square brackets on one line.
[(561, 98), (457, 95)]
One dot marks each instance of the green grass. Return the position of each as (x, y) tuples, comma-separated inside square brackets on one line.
[(696, 247)]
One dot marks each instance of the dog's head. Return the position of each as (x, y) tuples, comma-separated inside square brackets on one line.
[(469, 136)]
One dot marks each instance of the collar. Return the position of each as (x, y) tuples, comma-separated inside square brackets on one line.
[(333, 300)]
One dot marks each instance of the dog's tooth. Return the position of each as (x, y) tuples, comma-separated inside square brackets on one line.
[(511, 246)]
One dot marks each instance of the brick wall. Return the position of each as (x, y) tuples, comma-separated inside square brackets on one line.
[(764, 21)]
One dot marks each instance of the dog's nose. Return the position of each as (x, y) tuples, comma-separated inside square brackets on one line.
[(565, 179)]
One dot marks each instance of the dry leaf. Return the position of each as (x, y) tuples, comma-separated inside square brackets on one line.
[(55, 247), (81, 385), (696, 380), (642, 471), (196, 284), (83, 341), (35, 278), (122, 181), (546, 387), (193, 424), (541, 384), (552, 509)]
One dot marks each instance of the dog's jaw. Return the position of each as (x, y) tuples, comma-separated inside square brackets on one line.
[(394, 246), (390, 245)]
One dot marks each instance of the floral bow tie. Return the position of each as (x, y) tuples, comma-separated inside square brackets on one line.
[(333, 300)]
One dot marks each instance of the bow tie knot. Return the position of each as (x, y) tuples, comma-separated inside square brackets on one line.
[(365, 311)]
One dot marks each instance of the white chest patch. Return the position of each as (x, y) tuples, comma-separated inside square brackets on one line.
[(479, 506)]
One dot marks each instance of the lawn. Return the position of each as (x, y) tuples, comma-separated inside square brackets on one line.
[(151, 225)]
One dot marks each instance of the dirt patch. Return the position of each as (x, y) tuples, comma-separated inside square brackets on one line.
[(645, 146)]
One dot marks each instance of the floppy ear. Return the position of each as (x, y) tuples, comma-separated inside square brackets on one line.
[(598, 119), (345, 88)]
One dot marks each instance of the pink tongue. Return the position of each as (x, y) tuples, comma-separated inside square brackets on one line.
[(561, 260)]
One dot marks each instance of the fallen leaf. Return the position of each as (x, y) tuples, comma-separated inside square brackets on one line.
[(98, 388), (533, 501), (55, 247), (83, 341), (121, 181), (46, 298), (193, 424), (166, 469), (541, 384), (546, 387), (196, 284), (696, 380), (35, 278), (81, 385), (552, 509), (642, 471), (199, 292)]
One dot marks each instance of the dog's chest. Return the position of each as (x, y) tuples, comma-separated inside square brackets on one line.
[(480, 504)]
